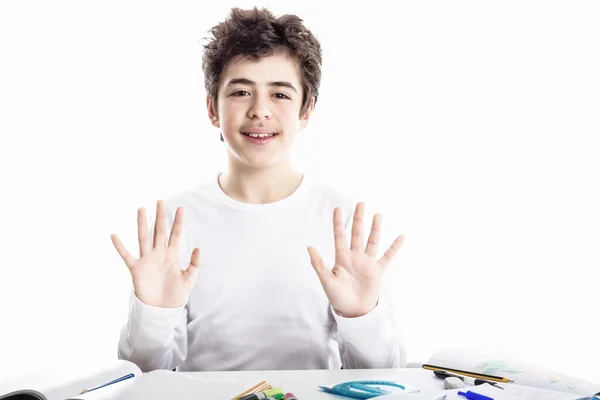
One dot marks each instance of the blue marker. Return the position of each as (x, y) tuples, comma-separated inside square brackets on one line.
[(474, 396)]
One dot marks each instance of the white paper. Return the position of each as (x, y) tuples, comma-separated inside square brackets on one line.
[(422, 395), (164, 384), (513, 368), (510, 392)]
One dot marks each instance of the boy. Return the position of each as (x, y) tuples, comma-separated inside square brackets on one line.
[(248, 298)]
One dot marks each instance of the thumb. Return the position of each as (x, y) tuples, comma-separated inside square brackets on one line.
[(191, 273), (318, 264)]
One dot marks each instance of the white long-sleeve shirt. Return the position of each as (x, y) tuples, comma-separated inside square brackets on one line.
[(257, 303)]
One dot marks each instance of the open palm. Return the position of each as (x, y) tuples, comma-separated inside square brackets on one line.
[(353, 284), (158, 279)]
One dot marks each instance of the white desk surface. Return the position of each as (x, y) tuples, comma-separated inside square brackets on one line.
[(305, 383)]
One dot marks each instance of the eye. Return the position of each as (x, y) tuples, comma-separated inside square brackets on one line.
[(282, 96), (240, 93)]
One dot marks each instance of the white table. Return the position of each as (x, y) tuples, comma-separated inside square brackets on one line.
[(305, 383)]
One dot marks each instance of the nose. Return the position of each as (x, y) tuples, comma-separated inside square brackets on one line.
[(259, 109)]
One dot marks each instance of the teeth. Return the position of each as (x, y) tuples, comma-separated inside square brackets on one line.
[(261, 135)]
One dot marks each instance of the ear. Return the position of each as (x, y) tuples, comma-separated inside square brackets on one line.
[(306, 117), (212, 115)]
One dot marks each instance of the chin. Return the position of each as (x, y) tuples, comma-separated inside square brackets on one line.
[(260, 163), (254, 159), (258, 156)]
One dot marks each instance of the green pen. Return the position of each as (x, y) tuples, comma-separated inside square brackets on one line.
[(277, 396), (274, 392), (264, 394)]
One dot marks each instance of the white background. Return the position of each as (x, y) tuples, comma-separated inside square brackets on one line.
[(472, 126)]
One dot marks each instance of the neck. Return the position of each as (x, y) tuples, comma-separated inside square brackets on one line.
[(259, 185)]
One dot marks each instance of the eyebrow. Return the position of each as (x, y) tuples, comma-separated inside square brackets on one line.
[(245, 81)]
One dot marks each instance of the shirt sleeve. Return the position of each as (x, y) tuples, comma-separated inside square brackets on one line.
[(372, 340), (154, 337)]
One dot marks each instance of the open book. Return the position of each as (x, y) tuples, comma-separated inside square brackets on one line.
[(123, 380), (107, 382), (522, 373)]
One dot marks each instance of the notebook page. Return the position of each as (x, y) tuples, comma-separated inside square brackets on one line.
[(511, 367)]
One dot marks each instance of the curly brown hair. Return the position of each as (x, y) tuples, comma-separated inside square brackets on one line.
[(258, 33)]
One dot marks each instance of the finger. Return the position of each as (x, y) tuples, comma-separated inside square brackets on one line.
[(318, 264), (177, 229), (373, 241), (125, 255), (143, 236), (160, 228), (191, 273), (356, 242), (391, 252), (339, 235)]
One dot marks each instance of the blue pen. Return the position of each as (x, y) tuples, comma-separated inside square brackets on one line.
[(474, 396), (128, 376)]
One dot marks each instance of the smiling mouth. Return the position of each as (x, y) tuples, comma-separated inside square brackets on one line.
[(260, 135)]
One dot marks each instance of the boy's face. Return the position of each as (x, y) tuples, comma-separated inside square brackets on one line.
[(258, 98)]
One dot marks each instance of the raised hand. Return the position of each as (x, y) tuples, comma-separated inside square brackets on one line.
[(353, 284), (158, 279)]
